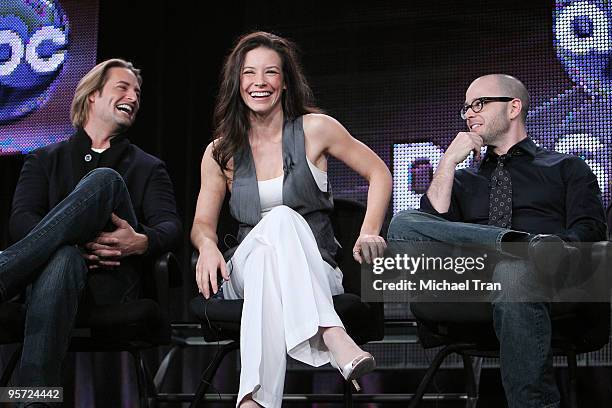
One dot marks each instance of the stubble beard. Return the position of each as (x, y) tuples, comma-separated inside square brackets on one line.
[(497, 129)]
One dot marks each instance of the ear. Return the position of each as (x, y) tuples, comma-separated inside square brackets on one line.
[(515, 108), (92, 97)]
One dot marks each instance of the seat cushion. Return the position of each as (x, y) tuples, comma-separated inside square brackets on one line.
[(138, 323), (363, 321), (583, 327), (220, 318), (12, 319)]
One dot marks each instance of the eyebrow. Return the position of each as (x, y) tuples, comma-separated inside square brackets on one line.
[(268, 67), (122, 82)]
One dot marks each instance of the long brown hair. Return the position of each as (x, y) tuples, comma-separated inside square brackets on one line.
[(231, 116)]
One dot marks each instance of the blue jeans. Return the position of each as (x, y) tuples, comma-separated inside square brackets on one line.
[(523, 329), (48, 260)]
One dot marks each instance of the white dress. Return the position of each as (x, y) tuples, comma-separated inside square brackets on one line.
[(287, 289)]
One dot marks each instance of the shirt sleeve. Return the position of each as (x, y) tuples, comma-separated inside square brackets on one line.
[(585, 215), (31, 199), (161, 223), (453, 213)]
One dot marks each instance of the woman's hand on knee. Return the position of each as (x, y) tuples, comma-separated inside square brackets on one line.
[(369, 247), (210, 261)]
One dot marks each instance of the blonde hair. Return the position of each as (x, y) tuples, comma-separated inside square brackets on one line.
[(94, 81)]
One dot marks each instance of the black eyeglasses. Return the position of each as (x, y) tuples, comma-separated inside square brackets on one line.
[(478, 103)]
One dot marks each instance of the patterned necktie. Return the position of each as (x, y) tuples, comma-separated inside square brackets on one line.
[(500, 195)]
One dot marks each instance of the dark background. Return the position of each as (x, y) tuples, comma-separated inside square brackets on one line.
[(389, 71)]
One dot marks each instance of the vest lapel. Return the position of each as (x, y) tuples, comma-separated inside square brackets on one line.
[(245, 192)]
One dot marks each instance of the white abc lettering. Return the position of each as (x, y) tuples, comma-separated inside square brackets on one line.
[(38, 64), (598, 40), (405, 155), (46, 65), (12, 39)]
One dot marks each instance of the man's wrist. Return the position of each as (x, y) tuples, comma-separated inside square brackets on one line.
[(447, 163), (142, 243)]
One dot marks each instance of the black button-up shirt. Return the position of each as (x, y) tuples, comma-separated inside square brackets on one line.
[(552, 193)]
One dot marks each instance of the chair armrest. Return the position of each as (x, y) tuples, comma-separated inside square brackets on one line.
[(602, 251), (194, 260), (166, 274), (601, 261)]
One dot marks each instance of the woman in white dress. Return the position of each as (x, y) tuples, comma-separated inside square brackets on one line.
[(269, 150)]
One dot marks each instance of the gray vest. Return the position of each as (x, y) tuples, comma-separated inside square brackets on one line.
[(300, 191)]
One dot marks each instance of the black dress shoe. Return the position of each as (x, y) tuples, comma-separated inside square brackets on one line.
[(550, 254)]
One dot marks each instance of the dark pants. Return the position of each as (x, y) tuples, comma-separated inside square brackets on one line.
[(49, 261), (523, 328)]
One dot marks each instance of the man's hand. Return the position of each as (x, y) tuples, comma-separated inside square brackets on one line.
[(108, 248), (441, 187), (461, 146)]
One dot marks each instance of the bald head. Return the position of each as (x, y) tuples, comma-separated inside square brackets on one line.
[(507, 85)]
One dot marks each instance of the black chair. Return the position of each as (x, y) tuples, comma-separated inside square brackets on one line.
[(133, 326), (364, 322), (467, 329)]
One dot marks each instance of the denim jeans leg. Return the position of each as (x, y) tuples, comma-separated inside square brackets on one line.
[(524, 332), (75, 220), (523, 329), (52, 303), (414, 225)]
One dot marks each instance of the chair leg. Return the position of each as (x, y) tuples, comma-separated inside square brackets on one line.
[(10, 366), (150, 387), (210, 371), (348, 394), (140, 379), (572, 365), (433, 368), (160, 375), (471, 367)]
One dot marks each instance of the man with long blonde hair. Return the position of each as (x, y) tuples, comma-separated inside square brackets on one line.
[(87, 212)]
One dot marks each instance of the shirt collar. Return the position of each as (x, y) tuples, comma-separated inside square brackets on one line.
[(526, 145), (83, 141)]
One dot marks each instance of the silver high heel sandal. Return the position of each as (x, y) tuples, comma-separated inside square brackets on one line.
[(360, 365)]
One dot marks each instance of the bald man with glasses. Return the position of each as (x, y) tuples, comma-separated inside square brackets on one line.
[(518, 192)]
